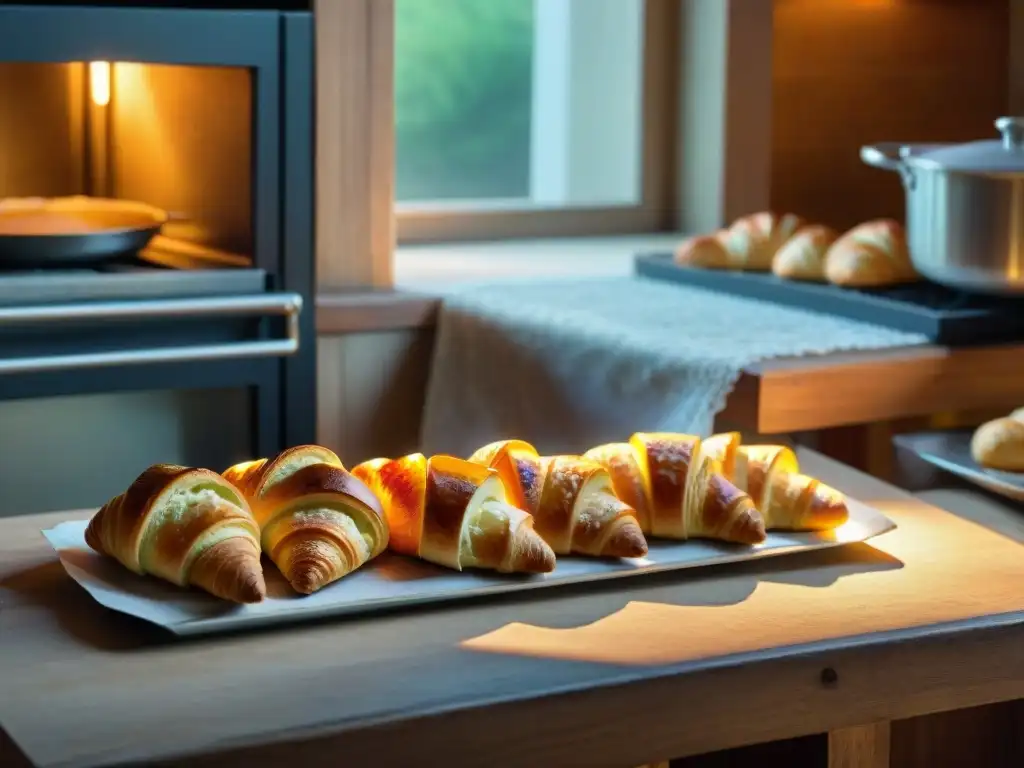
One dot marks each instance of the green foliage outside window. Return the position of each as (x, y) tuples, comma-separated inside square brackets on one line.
[(463, 81)]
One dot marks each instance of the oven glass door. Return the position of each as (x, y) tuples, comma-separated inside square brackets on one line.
[(93, 392), (75, 452)]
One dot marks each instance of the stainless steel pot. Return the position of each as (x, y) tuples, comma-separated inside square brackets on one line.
[(965, 208)]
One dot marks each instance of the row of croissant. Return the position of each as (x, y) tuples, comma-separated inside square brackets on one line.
[(872, 254), (506, 508)]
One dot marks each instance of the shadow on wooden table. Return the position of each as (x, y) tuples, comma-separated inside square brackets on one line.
[(661, 622), (49, 586)]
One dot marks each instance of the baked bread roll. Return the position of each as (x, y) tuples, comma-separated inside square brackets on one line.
[(186, 526), (456, 514), (802, 257), (677, 491), (753, 241), (572, 500), (872, 254), (999, 443), (317, 521), (705, 251)]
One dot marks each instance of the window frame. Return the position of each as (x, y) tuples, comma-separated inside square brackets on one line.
[(653, 210), (711, 61)]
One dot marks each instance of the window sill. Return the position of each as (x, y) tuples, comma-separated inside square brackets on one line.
[(424, 272)]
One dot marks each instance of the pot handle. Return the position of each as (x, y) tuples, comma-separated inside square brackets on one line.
[(885, 155)]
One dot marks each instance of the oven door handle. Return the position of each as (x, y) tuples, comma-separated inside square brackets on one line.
[(287, 305)]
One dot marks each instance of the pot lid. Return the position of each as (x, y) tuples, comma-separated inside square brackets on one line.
[(1004, 155)]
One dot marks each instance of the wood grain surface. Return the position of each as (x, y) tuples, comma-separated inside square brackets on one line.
[(814, 392), (928, 618), (853, 72), (862, 746), (355, 147)]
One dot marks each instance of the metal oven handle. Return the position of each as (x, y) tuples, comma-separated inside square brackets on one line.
[(288, 305)]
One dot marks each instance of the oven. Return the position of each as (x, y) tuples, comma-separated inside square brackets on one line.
[(197, 348)]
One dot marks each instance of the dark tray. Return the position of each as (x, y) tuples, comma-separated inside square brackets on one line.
[(943, 315), (951, 451)]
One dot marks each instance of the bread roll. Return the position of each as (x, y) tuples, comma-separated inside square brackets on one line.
[(999, 444), (705, 251), (872, 254), (753, 241), (802, 257)]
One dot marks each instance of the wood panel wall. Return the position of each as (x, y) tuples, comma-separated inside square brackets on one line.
[(852, 72), (370, 392)]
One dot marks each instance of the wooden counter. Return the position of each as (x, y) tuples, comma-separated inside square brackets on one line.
[(928, 618), (781, 395), (809, 393)]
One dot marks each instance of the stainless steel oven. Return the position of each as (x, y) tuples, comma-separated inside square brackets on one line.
[(199, 348)]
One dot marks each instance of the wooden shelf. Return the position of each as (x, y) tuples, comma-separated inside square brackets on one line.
[(796, 394)]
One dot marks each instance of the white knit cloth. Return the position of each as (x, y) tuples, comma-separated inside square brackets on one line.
[(568, 364)]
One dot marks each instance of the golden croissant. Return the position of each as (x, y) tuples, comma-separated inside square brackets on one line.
[(753, 241), (869, 255), (771, 475), (677, 491), (456, 514), (187, 526), (802, 257), (318, 522), (705, 251), (572, 500)]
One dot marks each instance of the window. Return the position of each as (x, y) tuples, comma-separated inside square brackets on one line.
[(527, 117)]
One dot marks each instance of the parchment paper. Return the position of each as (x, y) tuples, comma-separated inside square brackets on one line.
[(392, 580)]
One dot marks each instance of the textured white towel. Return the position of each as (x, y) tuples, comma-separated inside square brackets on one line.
[(570, 364)]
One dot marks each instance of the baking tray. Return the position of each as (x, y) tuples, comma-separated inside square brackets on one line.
[(391, 581), (951, 451), (945, 316)]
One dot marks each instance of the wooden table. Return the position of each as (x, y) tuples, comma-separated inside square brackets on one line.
[(928, 618)]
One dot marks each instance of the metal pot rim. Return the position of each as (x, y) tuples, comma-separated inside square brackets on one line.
[(992, 156)]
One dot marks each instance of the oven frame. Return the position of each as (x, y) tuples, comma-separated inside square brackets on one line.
[(277, 48)]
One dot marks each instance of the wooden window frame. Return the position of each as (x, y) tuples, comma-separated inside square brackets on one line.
[(652, 211), (706, 137)]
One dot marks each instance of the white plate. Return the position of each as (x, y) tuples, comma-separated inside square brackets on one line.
[(392, 580), (951, 451)]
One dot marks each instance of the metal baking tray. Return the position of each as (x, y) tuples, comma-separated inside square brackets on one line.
[(951, 451), (945, 316), (391, 581)]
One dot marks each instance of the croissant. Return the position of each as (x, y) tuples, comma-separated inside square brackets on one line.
[(187, 526), (456, 514), (318, 522), (572, 500), (705, 251), (771, 475), (872, 254), (802, 257), (677, 491), (754, 240), (999, 443)]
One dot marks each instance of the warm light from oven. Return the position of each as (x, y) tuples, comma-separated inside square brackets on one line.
[(99, 82)]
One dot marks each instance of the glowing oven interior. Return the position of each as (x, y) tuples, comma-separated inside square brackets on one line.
[(176, 137)]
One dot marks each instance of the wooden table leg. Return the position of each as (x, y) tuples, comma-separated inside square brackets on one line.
[(862, 746)]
